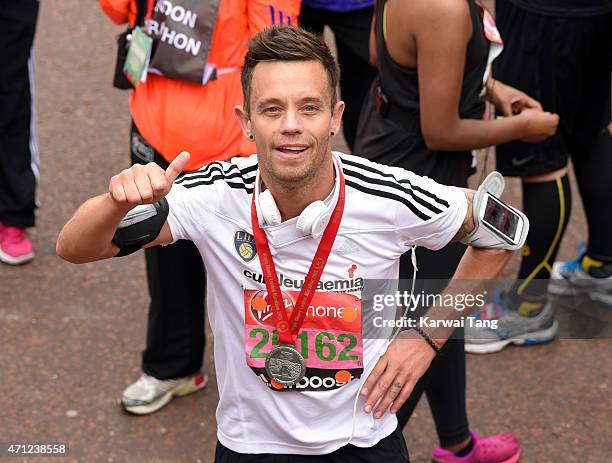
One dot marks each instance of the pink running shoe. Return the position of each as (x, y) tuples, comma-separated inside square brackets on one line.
[(15, 246), (501, 448)]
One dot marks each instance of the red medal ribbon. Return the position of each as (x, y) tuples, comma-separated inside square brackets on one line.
[(289, 329)]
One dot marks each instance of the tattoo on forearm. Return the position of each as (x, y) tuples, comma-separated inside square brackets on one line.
[(468, 223)]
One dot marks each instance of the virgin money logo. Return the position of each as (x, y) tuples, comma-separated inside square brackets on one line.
[(262, 310)]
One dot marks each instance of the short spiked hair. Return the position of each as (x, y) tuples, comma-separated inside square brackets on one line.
[(286, 43)]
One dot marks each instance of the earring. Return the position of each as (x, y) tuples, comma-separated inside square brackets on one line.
[(251, 137), (332, 133)]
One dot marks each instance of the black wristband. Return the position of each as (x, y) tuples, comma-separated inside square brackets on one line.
[(427, 338)]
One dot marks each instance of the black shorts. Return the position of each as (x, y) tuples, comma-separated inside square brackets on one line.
[(564, 63), (391, 449)]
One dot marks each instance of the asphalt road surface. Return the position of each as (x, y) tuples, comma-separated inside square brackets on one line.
[(71, 336)]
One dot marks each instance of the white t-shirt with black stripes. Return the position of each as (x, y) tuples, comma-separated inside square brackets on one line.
[(387, 210)]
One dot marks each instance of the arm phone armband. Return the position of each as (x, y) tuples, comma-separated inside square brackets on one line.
[(497, 224), (140, 226)]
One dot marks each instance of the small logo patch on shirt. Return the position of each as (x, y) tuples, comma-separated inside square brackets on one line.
[(244, 244)]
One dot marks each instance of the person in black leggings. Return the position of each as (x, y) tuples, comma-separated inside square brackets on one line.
[(19, 160), (424, 113), (561, 53)]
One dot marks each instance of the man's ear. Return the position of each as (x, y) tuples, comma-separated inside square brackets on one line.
[(336, 119), (244, 121)]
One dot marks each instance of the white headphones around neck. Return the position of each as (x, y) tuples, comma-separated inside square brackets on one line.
[(313, 219)]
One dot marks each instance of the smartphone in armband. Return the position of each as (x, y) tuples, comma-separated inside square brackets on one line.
[(502, 220), (496, 224)]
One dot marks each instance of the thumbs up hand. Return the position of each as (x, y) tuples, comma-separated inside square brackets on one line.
[(145, 184)]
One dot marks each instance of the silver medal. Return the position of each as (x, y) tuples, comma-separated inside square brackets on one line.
[(285, 365)]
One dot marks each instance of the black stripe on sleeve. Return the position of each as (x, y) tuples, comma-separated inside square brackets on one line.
[(248, 170), (208, 175), (233, 171), (210, 181), (201, 173), (369, 168), (440, 201), (385, 194), (379, 182)]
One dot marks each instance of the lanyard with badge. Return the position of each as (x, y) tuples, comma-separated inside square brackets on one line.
[(285, 364)]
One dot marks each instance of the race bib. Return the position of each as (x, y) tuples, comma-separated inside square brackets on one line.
[(490, 28), (330, 339), (495, 40)]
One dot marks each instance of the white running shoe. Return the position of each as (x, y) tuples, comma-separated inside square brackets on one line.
[(510, 328), (149, 394)]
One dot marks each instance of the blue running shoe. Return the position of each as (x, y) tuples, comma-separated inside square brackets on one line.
[(570, 279), (567, 278)]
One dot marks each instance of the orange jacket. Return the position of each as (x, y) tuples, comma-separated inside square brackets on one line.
[(174, 116)]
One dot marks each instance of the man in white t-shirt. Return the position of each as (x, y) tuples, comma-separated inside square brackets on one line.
[(289, 237)]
